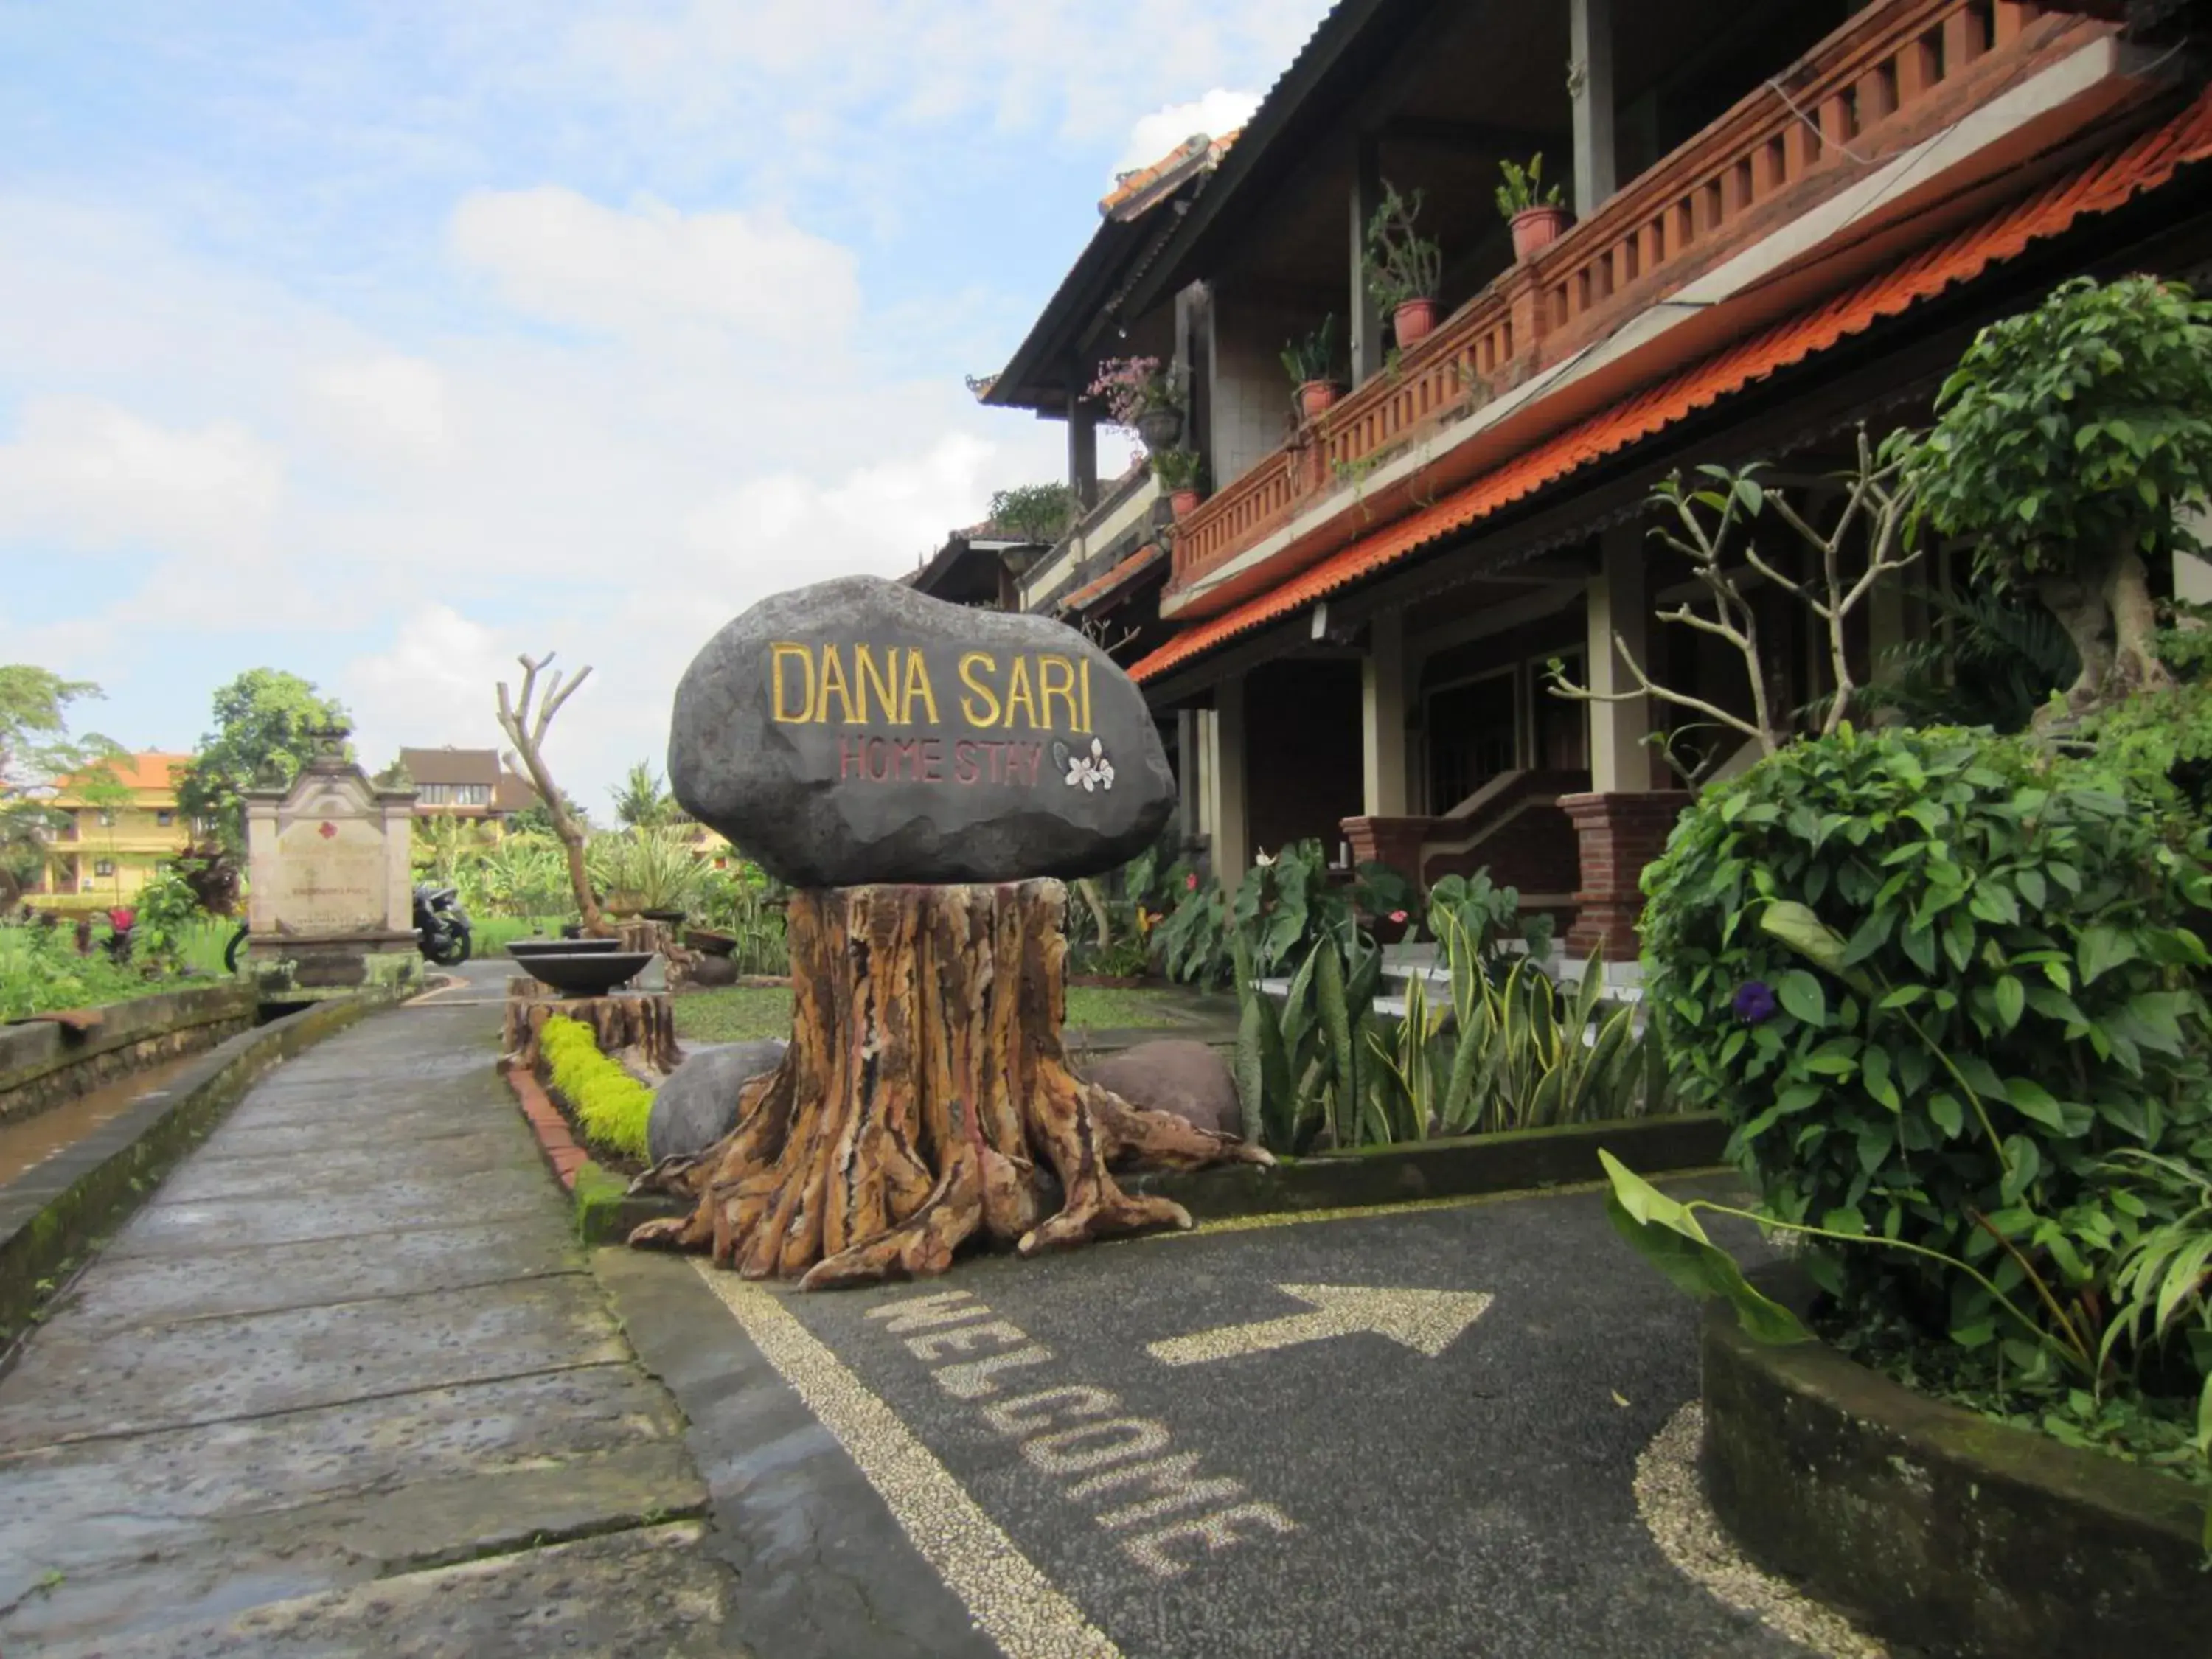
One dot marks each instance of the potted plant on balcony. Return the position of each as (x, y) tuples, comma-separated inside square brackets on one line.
[(1403, 267), (1311, 363), (1179, 471), (1533, 211), (1144, 396)]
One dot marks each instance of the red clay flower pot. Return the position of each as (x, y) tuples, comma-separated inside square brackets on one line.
[(1182, 502), (1315, 396), (1412, 321), (1537, 228)]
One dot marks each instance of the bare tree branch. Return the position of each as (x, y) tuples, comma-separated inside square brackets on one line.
[(526, 728)]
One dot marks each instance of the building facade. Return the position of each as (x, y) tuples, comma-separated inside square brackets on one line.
[(117, 824), (466, 783), (1787, 222)]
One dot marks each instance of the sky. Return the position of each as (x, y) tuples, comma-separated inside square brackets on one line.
[(381, 342)]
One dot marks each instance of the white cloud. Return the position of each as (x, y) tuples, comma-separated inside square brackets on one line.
[(387, 405), (85, 474), (431, 685), (1218, 111), (555, 255)]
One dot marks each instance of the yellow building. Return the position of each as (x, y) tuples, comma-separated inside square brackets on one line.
[(113, 836)]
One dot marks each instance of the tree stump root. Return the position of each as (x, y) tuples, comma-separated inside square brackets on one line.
[(925, 1081)]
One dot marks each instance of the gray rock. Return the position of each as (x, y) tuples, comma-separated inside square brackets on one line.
[(697, 1104), (859, 732), (1176, 1074)]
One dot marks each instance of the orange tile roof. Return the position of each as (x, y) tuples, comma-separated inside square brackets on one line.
[(2105, 186), (1135, 565), (1197, 148), (155, 770)]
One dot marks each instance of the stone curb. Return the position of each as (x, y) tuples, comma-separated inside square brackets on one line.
[(43, 1065), (53, 1211), (1931, 1524), (605, 1210), (1515, 1160)]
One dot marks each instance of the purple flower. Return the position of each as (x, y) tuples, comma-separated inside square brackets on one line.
[(1754, 1002)]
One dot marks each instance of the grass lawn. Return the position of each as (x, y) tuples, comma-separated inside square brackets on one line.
[(740, 1013)]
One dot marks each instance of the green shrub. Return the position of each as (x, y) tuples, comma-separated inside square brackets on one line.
[(1985, 991), (611, 1106), (41, 969)]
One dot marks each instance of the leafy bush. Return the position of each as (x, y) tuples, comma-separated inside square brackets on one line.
[(1508, 1050), (40, 970), (1307, 1066), (2069, 443), (748, 903), (651, 868), (611, 1107), (1529, 1056), (1933, 979), (1476, 921)]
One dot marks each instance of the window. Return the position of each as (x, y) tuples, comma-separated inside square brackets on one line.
[(103, 866), (165, 818), (435, 794), (473, 794)]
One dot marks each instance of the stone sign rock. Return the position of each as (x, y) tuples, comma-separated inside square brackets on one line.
[(697, 1104), (859, 732), (1174, 1074)]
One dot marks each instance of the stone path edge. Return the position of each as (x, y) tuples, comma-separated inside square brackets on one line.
[(605, 1210), (54, 1211)]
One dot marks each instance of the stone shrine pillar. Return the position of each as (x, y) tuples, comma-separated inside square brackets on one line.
[(330, 885)]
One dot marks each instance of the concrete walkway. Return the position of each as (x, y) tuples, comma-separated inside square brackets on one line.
[(346, 1384)]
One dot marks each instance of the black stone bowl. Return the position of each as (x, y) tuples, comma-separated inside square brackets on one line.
[(522, 948), (710, 942), (586, 973)]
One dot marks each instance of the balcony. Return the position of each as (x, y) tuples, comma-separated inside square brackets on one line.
[(1893, 78), (1106, 534)]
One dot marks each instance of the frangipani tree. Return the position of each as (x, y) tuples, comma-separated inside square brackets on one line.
[(2070, 442)]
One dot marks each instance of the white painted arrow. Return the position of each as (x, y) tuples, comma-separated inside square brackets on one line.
[(1428, 1322)]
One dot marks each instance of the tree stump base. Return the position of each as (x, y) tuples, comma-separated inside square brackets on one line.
[(644, 1021), (925, 1085)]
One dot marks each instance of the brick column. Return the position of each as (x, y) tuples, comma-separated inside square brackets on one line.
[(1395, 842), (1620, 834)]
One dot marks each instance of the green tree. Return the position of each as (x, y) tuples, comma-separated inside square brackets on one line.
[(1041, 512), (265, 718), (536, 818), (642, 803), (2070, 442), (36, 750)]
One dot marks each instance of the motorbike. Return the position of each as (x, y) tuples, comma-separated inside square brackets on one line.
[(442, 926)]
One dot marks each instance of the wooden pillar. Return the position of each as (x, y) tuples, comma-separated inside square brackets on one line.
[(1083, 452), (1618, 604), (1382, 718), (1190, 815), (1232, 828), (1366, 330), (1589, 51)]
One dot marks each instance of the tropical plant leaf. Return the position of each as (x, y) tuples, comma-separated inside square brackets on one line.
[(1667, 1235)]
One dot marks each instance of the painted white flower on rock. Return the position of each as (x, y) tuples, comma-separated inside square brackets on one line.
[(1093, 771)]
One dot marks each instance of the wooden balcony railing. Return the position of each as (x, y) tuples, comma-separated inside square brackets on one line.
[(1866, 92)]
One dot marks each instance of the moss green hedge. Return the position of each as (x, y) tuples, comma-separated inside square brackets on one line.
[(611, 1106)]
